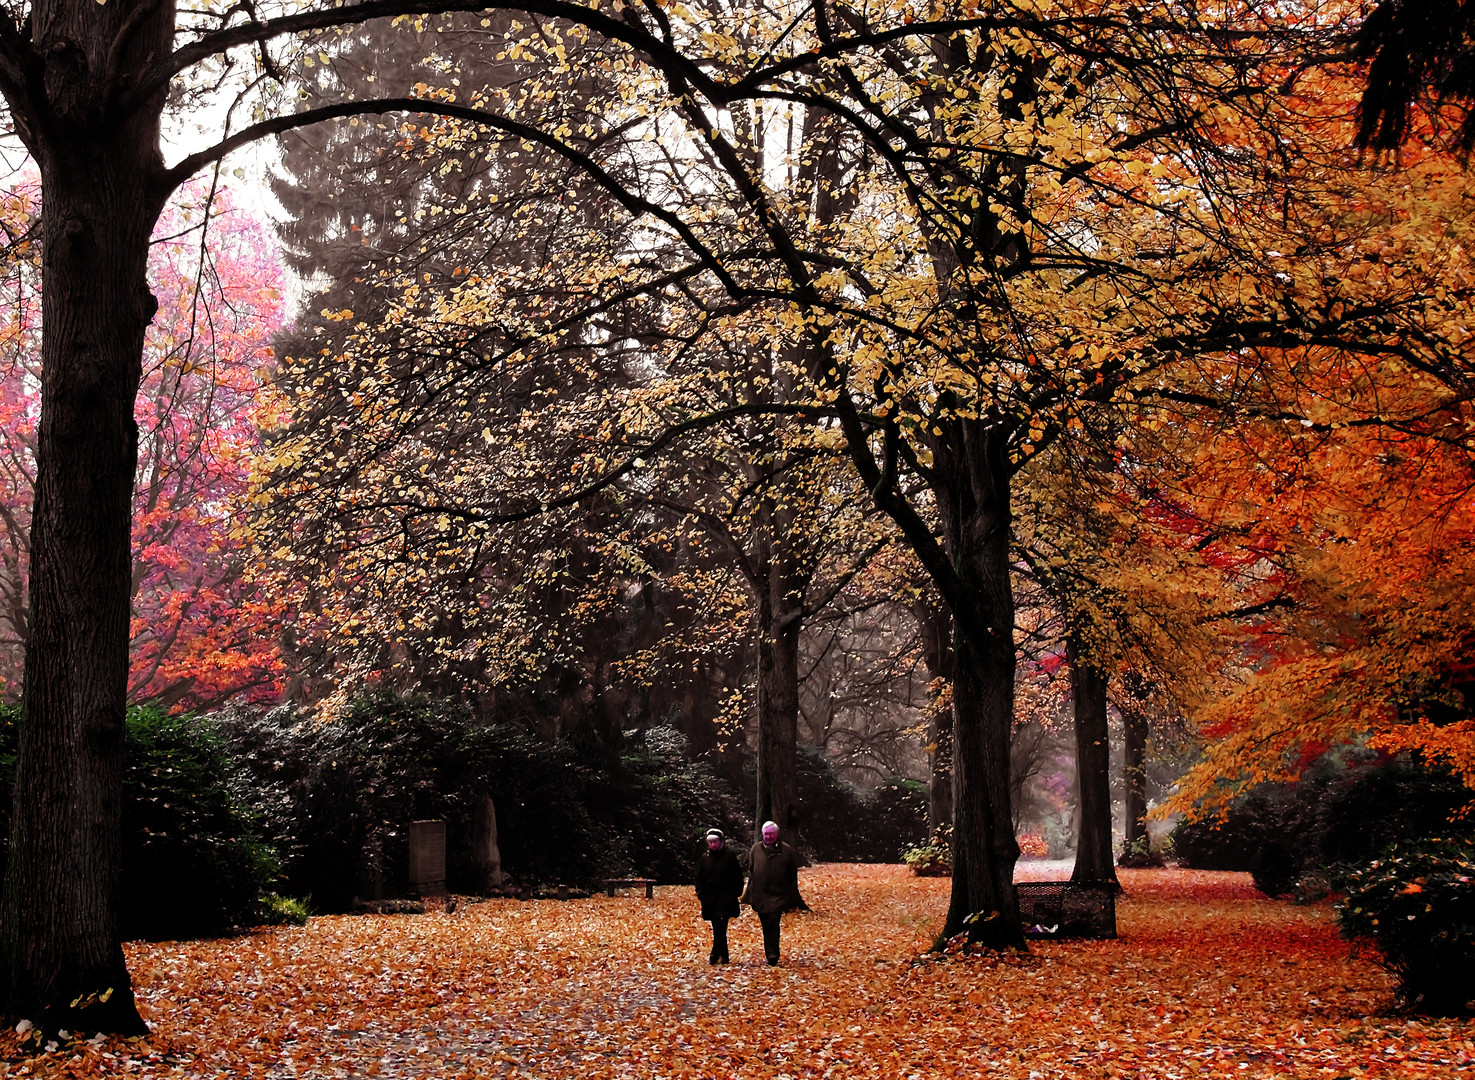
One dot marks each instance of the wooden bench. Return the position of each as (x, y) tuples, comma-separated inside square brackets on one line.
[(611, 884), (1067, 909)]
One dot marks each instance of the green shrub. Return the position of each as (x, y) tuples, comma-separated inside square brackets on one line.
[(665, 802), (194, 862), (350, 788), (1340, 816), (933, 857), (1262, 827), (897, 811), (1366, 809), (1416, 904), (840, 823), (1139, 854), (195, 859), (274, 910)]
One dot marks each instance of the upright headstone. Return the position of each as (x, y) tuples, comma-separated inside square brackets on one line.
[(428, 858), (484, 850)]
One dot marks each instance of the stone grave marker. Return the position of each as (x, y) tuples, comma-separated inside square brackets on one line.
[(428, 858)]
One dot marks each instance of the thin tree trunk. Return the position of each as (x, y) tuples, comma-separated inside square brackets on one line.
[(940, 763), (778, 718), (1134, 719), (935, 628), (1094, 858), (780, 580)]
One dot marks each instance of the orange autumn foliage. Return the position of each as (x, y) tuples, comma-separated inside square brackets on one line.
[(1372, 550), (1207, 979), (1331, 486)]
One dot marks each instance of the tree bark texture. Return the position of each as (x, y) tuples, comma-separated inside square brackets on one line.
[(778, 707), (935, 628), (1134, 720), (973, 500), (61, 963), (1095, 860)]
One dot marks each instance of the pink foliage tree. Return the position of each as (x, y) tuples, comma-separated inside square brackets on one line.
[(202, 631)]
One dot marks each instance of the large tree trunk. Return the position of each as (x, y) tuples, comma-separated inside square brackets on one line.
[(59, 926), (61, 963), (1094, 857), (974, 505)]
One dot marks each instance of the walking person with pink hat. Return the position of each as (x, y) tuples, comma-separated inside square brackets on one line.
[(773, 886)]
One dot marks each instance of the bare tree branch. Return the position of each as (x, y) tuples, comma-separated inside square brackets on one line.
[(638, 206)]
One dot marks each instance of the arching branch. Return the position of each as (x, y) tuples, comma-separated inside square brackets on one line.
[(638, 206), (219, 41)]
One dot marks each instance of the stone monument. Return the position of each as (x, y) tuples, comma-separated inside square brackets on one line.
[(428, 858)]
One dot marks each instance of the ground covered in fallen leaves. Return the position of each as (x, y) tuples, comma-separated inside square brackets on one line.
[(1207, 979)]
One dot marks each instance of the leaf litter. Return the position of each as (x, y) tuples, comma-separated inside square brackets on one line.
[(1208, 979)]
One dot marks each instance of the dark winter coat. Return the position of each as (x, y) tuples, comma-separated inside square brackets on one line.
[(719, 883), (773, 879)]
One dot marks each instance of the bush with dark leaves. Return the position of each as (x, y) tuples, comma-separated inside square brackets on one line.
[(1340, 816), (842, 824), (1416, 903), (1262, 830), (196, 860), (565, 813)]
